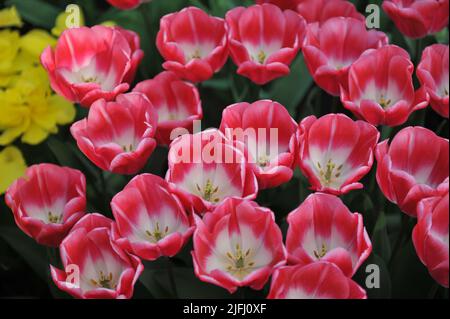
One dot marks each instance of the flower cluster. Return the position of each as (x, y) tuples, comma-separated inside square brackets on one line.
[(214, 176)]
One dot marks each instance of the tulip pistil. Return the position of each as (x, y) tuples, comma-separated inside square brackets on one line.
[(240, 265)]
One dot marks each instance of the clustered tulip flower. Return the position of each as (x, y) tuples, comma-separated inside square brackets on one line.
[(206, 168), (417, 19), (177, 103), (268, 142), (47, 202), (331, 48), (102, 66), (100, 269), (194, 44), (336, 152), (238, 244), (319, 280), (404, 175), (323, 229), (380, 87), (214, 176), (430, 236), (118, 136), (264, 40), (150, 219), (432, 72), (322, 10)]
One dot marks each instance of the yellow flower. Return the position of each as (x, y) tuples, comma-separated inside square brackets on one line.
[(34, 42), (68, 17), (9, 49), (9, 17), (109, 23), (29, 109), (12, 166)]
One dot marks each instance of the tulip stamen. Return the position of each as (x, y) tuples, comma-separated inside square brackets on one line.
[(331, 172), (384, 102), (54, 218), (89, 79), (104, 281), (128, 148), (239, 263), (322, 252), (157, 233), (209, 191)]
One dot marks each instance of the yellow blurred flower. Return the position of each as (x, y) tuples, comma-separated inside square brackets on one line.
[(9, 17), (28, 108), (9, 49), (12, 166), (109, 23)]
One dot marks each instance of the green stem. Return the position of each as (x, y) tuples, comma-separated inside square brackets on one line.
[(173, 285), (52, 256), (441, 126), (433, 291), (419, 48), (399, 240)]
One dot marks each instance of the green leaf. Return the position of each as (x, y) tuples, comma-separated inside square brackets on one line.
[(33, 254), (290, 90), (36, 12), (380, 239)]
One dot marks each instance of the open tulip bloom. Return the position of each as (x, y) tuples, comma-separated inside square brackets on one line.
[(118, 136), (319, 280), (330, 49), (238, 244), (430, 236), (94, 266), (269, 142), (47, 202), (205, 168), (380, 87), (177, 103), (322, 228), (433, 74), (194, 44), (150, 220), (417, 19), (103, 65), (264, 40), (336, 152), (404, 174), (323, 10)]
